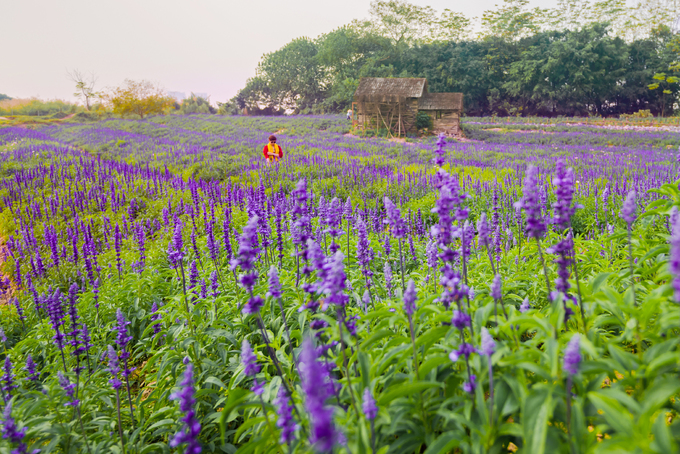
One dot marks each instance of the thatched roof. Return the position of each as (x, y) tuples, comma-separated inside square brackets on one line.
[(441, 101), (382, 89)]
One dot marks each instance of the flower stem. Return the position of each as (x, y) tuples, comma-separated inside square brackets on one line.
[(82, 428), (413, 344), (401, 264), (632, 266), (285, 324), (344, 361), (120, 424), (545, 268), (186, 299), (490, 392), (571, 442)]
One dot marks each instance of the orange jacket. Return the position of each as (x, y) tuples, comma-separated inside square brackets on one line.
[(278, 149)]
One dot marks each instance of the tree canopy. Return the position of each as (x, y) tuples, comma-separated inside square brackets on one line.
[(141, 98), (581, 57), (196, 104)]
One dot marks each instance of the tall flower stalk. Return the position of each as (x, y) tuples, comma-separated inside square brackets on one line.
[(398, 230), (316, 385), (488, 346), (410, 297), (572, 359), (71, 390), (191, 428), (176, 258), (123, 339), (535, 223), (628, 215)]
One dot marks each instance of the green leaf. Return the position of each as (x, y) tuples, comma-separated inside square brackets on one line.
[(236, 396), (663, 440), (444, 443), (401, 391), (537, 411), (616, 415)]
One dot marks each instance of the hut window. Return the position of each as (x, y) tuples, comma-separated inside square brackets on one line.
[(438, 115)]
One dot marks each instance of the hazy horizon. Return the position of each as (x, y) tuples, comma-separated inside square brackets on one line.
[(206, 46)]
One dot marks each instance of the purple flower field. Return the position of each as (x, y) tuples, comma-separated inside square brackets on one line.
[(167, 290)]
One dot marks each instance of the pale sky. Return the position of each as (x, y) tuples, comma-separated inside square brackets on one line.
[(204, 46)]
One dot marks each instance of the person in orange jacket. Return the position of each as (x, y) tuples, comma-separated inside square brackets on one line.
[(272, 151)]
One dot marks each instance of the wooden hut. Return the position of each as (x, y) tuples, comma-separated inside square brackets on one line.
[(393, 103), (444, 109)]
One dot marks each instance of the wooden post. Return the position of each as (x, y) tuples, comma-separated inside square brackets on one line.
[(399, 121)]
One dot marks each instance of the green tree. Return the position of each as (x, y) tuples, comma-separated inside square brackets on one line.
[(665, 83), (196, 104), (512, 20), (4, 97), (141, 98), (293, 76)]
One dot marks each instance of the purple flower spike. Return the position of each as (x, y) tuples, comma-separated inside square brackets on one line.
[(334, 277), (369, 406), (155, 317), (191, 428), (122, 338), (258, 387), (439, 152), (628, 208), (274, 283), (525, 305), (464, 349), (114, 368), (483, 230), (410, 297), (69, 388), (488, 344), (674, 257), (253, 305), (366, 299), (11, 432), (33, 375), (316, 386), (249, 360), (572, 355), (470, 385), (496, 292), (396, 223), (460, 320), (387, 273), (365, 252), (8, 377), (247, 254), (175, 253), (530, 202), (285, 422), (563, 181)]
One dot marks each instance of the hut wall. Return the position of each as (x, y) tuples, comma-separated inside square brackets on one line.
[(384, 114), (445, 120)]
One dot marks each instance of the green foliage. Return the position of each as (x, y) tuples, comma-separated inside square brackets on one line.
[(423, 121), (35, 107), (569, 60), (195, 104), (138, 98)]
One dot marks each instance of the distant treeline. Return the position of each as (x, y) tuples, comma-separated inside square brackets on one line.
[(584, 71)]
